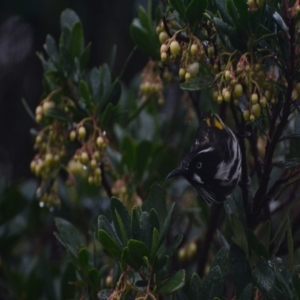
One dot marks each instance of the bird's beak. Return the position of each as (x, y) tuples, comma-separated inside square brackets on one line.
[(177, 172)]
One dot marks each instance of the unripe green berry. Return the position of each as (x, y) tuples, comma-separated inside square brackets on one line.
[(174, 48), (238, 90), (187, 76), (215, 95), (246, 115), (163, 56), (220, 99), (194, 49), (73, 135), (227, 96), (193, 69), (38, 118), (48, 105), (39, 110), (181, 73), (163, 36), (210, 51), (90, 179), (81, 132), (100, 142), (252, 118), (256, 110), (93, 164), (263, 102), (254, 98), (84, 157), (227, 75)]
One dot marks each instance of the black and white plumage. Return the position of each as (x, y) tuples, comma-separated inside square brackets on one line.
[(213, 167)]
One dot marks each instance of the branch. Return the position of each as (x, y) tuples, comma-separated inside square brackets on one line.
[(105, 182), (275, 132), (205, 246)]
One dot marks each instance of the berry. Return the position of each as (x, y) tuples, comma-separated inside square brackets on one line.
[(187, 76), (48, 105), (246, 114), (215, 95), (256, 110), (94, 163), (194, 49), (174, 48), (39, 110), (72, 135), (227, 96), (84, 157), (163, 56), (163, 48), (210, 51), (227, 75), (81, 132), (100, 142), (252, 118), (238, 90), (220, 99), (254, 98), (268, 94), (163, 36), (181, 73), (193, 69), (263, 102)]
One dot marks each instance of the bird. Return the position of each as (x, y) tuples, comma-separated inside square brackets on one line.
[(213, 166)]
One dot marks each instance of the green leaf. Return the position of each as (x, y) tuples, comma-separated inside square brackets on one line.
[(266, 280), (94, 277), (145, 19), (84, 257), (247, 293), (280, 233), (267, 231), (76, 44), (239, 233), (155, 244), (148, 44), (95, 82), (138, 250), (240, 269), (166, 226), (221, 5), (68, 18), (109, 244), (154, 219), (121, 220), (104, 224), (85, 93), (68, 235), (28, 109), (127, 259), (179, 6), (195, 10), (128, 150), (176, 242), (135, 224), (195, 287), (243, 11), (198, 83), (296, 280), (290, 163), (51, 49), (213, 284), (233, 12), (156, 200), (160, 263), (221, 260), (143, 151), (107, 116), (146, 229), (84, 58), (172, 284)]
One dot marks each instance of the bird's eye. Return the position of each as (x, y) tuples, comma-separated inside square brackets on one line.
[(199, 165)]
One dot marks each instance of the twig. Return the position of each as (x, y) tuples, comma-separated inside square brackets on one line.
[(105, 182), (211, 228), (195, 97)]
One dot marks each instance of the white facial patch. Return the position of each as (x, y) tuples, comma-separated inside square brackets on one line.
[(197, 178), (206, 150)]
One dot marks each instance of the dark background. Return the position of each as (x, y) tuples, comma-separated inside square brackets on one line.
[(24, 25)]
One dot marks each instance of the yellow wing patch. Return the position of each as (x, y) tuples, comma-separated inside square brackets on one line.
[(216, 122)]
